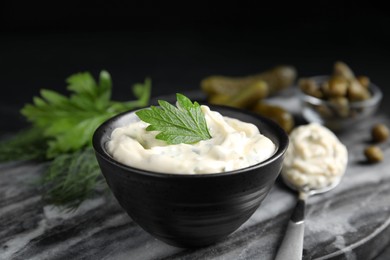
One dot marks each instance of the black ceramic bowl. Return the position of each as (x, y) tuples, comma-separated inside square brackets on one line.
[(191, 210)]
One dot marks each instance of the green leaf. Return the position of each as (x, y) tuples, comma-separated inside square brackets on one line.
[(105, 86), (82, 83), (82, 131), (39, 102), (105, 83), (53, 97), (69, 122), (185, 123)]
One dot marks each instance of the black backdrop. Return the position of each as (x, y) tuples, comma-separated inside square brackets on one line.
[(179, 44)]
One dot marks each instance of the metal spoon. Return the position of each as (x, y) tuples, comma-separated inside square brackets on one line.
[(291, 247)]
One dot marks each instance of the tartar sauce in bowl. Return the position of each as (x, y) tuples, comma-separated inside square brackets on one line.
[(234, 145), (315, 158)]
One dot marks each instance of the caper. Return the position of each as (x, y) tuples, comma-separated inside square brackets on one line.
[(325, 89), (356, 92), (373, 154), (337, 87), (342, 69), (379, 133), (340, 105), (364, 81)]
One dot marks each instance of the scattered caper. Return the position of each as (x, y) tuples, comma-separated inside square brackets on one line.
[(380, 133), (373, 154)]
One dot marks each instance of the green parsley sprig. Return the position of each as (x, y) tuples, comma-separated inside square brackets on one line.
[(62, 129), (69, 122), (185, 123)]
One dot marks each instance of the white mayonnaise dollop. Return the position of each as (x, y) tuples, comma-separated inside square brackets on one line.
[(315, 157), (234, 145)]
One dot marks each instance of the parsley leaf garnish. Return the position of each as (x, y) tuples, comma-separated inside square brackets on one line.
[(184, 123)]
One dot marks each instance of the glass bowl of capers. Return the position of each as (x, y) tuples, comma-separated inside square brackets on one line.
[(340, 100)]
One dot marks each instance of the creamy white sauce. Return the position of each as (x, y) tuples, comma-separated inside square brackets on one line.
[(315, 157), (234, 145)]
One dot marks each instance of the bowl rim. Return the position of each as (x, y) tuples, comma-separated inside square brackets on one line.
[(373, 101), (280, 151)]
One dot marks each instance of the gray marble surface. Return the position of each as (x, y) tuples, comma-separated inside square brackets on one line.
[(350, 222)]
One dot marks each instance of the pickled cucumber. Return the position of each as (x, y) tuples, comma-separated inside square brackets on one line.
[(277, 79)]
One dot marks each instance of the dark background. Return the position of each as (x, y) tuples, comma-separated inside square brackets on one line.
[(178, 45)]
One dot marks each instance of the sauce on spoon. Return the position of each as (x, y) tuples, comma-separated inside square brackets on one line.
[(315, 158), (315, 163)]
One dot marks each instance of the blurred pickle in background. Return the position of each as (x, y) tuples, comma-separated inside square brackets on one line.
[(250, 92)]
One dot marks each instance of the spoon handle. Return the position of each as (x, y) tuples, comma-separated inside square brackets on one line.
[(292, 245)]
